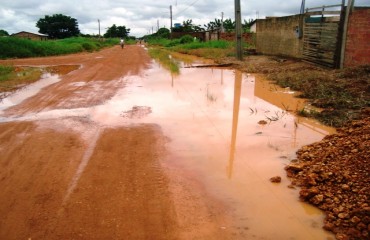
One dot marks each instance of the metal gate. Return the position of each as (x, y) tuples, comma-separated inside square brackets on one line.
[(322, 35)]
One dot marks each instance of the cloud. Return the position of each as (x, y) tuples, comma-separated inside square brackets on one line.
[(141, 17)]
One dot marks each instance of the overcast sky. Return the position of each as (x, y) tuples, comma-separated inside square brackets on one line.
[(142, 16)]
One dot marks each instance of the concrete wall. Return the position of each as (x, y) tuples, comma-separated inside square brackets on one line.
[(358, 38), (279, 36)]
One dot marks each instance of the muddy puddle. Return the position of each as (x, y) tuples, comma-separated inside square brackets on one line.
[(233, 131), (213, 118), (28, 91)]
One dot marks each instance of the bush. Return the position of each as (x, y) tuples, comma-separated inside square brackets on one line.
[(186, 39), (173, 43), (12, 47), (89, 46)]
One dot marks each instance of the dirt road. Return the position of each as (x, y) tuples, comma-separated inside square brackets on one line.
[(68, 177)]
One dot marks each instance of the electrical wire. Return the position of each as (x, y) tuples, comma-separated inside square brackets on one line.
[(191, 4)]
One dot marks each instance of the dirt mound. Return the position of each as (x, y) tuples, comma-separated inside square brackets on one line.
[(334, 175)]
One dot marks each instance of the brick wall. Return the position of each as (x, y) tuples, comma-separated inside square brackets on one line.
[(199, 35), (247, 37), (358, 38), (278, 36)]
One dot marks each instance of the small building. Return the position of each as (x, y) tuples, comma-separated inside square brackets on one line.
[(31, 36), (253, 26)]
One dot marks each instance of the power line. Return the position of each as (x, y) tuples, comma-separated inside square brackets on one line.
[(191, 4)]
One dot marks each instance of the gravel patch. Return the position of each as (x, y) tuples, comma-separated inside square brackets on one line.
[(334, 175)]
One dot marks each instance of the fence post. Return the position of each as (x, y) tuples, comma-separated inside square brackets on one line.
[(344, 35)]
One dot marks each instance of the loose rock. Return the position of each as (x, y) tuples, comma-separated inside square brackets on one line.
[(334, 175), (276, 179)]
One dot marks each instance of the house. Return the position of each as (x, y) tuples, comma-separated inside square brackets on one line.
[(31, 36), (253, 26)]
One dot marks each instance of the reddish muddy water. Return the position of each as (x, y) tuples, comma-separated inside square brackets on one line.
[(212, 117), (232, 131)]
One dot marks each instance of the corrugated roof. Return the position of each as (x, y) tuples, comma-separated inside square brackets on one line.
[(38, 34)]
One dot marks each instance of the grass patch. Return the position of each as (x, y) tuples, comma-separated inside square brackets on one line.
[(211, 49), (216, 49), (343, 94), (12, 47), (164, 58), (5, 72), (11, 78)]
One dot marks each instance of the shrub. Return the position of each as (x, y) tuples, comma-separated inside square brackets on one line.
[(186, 39), (19, 48), (88, 46)]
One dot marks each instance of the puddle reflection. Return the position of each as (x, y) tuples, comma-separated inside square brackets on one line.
[(236, 105), (28, 91)]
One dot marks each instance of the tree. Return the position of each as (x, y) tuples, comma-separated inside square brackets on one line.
[(3, 33), (188, 26), (114, 32), (247, 25), (163, 33), (213, 25), (229, 25), (58, 26)]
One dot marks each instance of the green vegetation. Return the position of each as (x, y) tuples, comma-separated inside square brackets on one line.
[(187, 45), (211, 44), (342, 95), (163, 57), (13, 77), (117, 32), (5, 72), (58, 26), (212, 49), (3, 33), (19, 48)]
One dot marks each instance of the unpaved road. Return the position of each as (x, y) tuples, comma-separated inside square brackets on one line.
[(67, 177)]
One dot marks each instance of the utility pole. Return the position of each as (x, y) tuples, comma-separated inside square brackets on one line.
[(157, 25), (171, 21), (99, 26), (238, 30), (222, 22)]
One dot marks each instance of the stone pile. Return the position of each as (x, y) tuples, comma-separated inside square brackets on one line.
[(334, 175)]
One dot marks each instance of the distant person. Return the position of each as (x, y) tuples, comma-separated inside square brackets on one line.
[(122, 43)]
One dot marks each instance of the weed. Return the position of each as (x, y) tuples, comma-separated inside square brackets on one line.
[(210, 96), (276, 148), (286, 108), (278, 115), (5, 72), (164, 58), (341, 98)]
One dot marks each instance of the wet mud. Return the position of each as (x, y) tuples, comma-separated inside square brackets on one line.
[(122, 148)]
